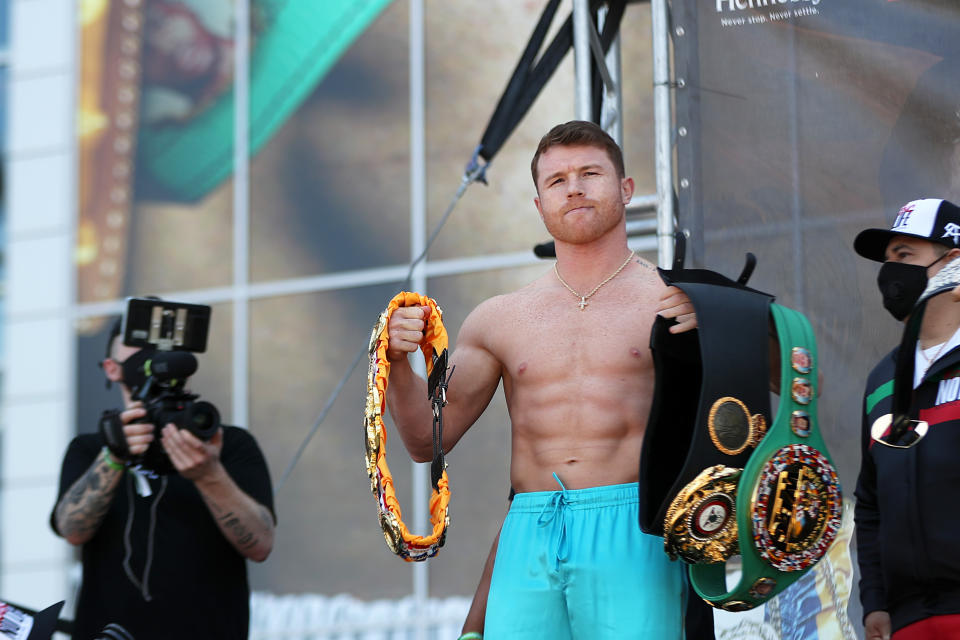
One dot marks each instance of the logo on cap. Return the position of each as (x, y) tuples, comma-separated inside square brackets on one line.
[(952, 229), (904, 216)]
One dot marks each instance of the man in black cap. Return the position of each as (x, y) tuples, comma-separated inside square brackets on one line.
[(164, 554), (909, 486)]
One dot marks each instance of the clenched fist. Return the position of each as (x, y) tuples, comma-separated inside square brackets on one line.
[(405, 331)]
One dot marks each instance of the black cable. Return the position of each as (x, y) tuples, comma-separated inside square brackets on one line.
[(468, 178)]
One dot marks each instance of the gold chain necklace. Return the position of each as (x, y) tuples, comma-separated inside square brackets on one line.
[(929, 360), (583, 298)]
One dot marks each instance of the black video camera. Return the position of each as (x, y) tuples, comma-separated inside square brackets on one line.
[(167, 333)]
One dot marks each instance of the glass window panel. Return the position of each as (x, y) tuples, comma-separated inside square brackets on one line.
[(91, 393), (330, 186), (468, 68), (328, 540), (156, 149)]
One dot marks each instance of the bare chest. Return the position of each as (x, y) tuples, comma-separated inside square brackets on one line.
[(607, 339)]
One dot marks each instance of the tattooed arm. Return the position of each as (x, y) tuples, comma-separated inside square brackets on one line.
[(244, 522), (81, 509)]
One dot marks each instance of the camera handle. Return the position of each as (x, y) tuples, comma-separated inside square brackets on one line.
[(111, 428)]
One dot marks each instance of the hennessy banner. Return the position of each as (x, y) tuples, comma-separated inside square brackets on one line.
[(799, 123)]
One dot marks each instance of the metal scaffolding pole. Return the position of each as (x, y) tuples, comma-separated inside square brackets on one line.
[(662, 118), (611, 117), (240, 404), (418, 241), (587, 50), (582, 25)]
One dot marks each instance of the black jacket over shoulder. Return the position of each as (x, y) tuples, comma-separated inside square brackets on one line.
[(908, 500)]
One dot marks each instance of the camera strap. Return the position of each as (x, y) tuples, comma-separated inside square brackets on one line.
[(142, 584), (400, 540)]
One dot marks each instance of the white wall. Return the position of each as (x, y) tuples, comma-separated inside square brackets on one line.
[(36, 394)]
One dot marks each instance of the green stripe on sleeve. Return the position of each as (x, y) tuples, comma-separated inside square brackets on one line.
[(878, 394)]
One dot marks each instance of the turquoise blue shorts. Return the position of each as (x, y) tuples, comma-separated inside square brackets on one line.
[(575, 564)]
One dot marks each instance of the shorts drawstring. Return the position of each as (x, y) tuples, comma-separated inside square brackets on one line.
[(551, 510)]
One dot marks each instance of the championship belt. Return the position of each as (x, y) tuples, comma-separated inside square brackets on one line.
[(711, 400), (769, 495), (410, 547)]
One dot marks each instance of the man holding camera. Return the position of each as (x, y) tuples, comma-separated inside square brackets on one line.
[(164, 553)]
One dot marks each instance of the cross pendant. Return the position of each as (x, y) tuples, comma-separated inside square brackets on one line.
[(582, 303)]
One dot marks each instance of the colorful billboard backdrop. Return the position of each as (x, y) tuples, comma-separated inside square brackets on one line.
[(156, 108)]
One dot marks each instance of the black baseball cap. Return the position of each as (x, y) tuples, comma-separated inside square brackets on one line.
[(930, 219)]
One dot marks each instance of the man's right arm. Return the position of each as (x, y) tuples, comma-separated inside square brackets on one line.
[(81, 509), (474, 375)]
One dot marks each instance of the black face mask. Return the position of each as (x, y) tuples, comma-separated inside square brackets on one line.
[(901, 286), (132, 368)]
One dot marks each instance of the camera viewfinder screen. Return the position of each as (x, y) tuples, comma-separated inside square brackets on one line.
[(169, 326)]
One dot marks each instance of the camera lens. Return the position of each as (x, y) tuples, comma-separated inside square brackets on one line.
[(202, 419)]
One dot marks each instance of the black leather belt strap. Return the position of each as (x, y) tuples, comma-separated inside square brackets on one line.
[(718, 373)]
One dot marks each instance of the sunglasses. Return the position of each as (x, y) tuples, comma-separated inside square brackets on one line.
[(902, 436)]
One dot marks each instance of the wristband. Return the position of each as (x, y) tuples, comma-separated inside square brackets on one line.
[(110, 462), (471, 635)]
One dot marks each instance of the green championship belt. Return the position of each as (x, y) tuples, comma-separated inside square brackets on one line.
[(715, 480), (788, 498)]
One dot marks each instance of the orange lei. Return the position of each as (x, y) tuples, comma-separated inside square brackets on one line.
[(410, 547)]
